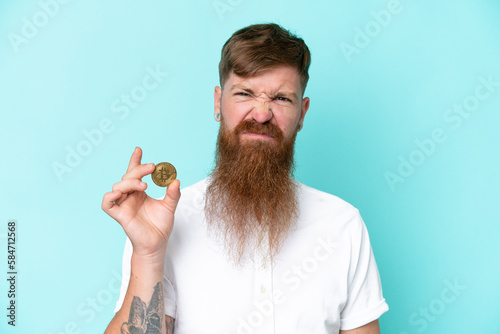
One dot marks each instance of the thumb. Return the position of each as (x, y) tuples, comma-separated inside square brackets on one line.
[(173, 195)]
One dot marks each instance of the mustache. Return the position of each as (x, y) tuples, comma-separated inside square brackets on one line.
[(252, 126)]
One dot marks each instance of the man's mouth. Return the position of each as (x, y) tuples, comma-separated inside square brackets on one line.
[(253, 135)]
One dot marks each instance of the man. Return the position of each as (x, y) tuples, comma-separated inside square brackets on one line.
[(252, 250)]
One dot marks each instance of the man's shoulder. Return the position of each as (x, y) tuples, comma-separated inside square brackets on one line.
[(316, 202), (312, 194), (195, 188), (192, 201), (192, 190)]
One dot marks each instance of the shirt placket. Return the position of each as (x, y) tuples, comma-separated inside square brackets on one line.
[(262, 317)]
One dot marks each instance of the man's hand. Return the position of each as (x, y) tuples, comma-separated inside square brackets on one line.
[(147, 222)]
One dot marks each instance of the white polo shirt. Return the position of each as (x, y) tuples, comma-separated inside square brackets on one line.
[(324, 279)]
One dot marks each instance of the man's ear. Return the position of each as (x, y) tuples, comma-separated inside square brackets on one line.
[(303, 111), (217, 99)]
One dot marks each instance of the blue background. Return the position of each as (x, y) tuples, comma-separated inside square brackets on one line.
[(436, 225)]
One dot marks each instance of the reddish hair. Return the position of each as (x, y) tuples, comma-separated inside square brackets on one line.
[(260, 47)]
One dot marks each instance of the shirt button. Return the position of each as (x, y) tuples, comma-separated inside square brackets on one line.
[(263, 289)]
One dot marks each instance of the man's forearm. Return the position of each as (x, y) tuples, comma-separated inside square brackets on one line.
[(143, 309)]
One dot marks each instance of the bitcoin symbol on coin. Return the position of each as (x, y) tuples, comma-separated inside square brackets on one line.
[(164, 174)]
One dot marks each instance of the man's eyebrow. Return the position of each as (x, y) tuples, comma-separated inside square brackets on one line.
[(241, 87), (292, 95)]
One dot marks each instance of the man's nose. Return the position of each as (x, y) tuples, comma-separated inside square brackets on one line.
[(262, 112)]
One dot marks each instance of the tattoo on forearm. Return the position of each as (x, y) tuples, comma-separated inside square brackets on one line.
[(142, 320)]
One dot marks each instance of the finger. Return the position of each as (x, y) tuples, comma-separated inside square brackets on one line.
[(110, 206), (173, 195), (135, 160), (120, 200), (139, 172), (109, 199), (129, 185)]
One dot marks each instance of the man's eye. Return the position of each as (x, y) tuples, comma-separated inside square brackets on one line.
[(281, 98), (242, 94)]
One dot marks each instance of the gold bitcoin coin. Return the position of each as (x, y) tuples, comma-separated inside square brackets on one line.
[(164, 174)]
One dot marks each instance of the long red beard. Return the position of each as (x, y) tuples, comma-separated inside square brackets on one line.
[(251, 190)]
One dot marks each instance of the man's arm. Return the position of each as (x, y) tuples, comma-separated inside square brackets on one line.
[(169, 323), (370, 328), (143, 309), (148, 223)]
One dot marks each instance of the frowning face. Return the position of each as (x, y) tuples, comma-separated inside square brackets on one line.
[(274, 96)]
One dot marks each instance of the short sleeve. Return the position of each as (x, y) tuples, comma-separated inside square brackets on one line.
[(365, 302), (170, 297), (169, 292)]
